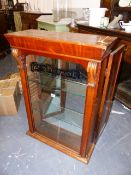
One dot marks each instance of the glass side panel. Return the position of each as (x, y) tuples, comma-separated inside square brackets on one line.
[(57, 92)]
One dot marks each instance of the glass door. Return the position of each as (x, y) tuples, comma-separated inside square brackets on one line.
[(57, 93)]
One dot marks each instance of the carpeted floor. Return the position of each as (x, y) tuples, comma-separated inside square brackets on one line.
[(23, 155)]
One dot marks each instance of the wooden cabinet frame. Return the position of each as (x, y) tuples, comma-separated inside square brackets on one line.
[(101, 62)]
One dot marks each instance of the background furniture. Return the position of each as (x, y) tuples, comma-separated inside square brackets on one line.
[(3, 29), (124, 88), (123, 93), (28, 19), (125, 71), (115, 10), (52, 93), (17, 21), (9, 9), (47, 23)]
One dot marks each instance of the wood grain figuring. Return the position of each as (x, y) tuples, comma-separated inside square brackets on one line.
[(61, 43), (93, 52)]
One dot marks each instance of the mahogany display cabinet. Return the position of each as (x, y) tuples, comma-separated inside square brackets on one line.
[(68, 84)]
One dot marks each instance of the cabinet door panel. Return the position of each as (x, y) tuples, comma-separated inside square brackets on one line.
[(57, 92)]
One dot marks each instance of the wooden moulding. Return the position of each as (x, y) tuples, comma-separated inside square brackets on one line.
[(62, 148)]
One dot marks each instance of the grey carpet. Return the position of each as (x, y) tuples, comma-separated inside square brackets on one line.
[(23, 155)]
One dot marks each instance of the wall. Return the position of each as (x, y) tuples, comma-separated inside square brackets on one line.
[(85, 3), (42, 5), (47, 5)]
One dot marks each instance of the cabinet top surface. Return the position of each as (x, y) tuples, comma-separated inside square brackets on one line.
[(67, 43), (79, 39)]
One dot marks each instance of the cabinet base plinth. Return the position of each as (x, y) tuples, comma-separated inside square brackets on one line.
[(62, 148)]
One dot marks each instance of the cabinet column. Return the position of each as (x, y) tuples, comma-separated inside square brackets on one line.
[(21, 61), (93, 72)]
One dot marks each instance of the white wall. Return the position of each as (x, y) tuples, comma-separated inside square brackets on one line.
[(42, 5), (84, 3), (47, 5)]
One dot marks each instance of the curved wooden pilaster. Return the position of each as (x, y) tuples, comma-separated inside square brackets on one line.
[(92, 70), (20, 58), (21, 61)]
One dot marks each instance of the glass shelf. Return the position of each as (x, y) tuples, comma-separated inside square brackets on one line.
[(43, 75), (65, 118), (57, 121), (57, 84), (51, 103)]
